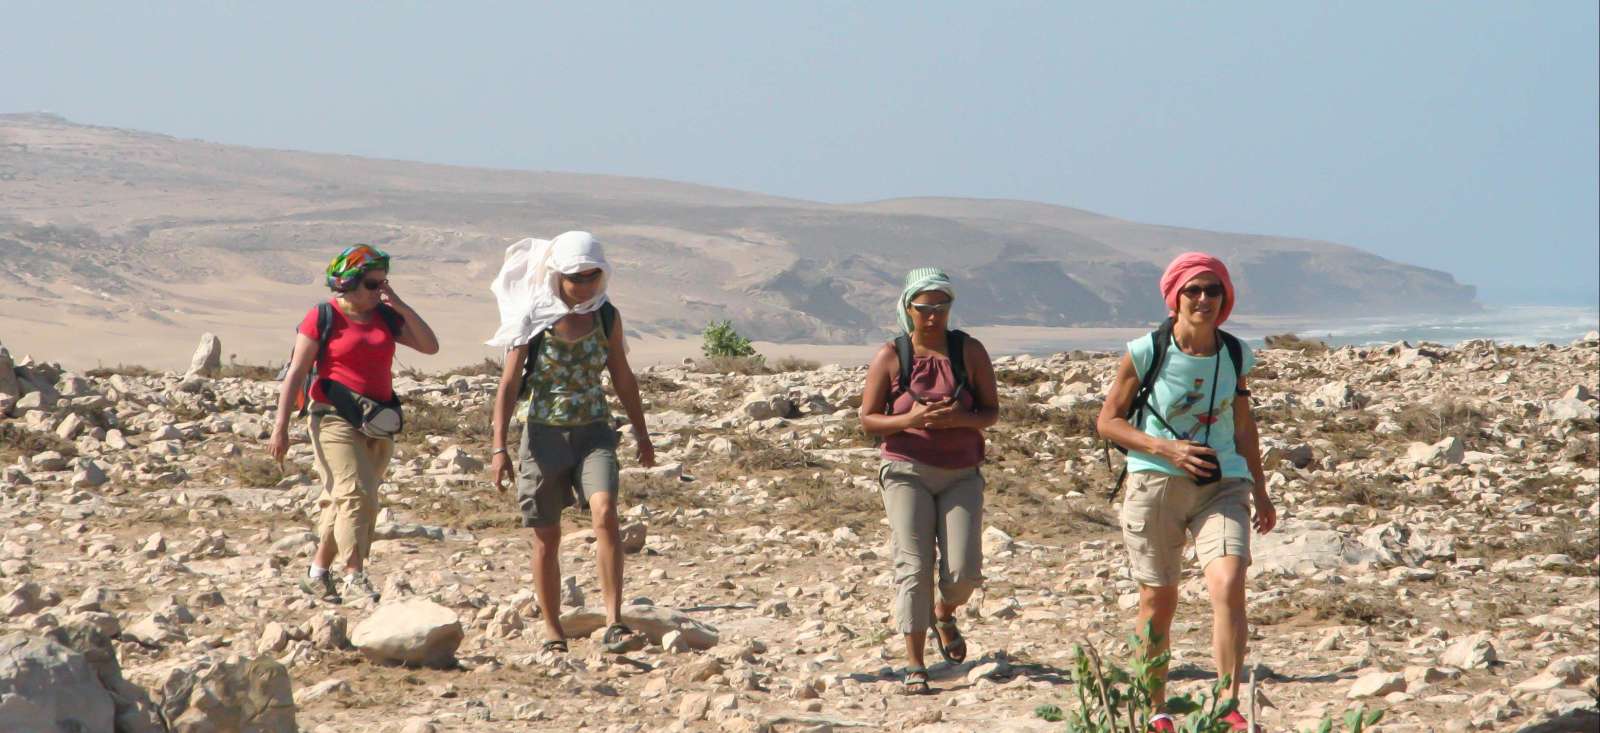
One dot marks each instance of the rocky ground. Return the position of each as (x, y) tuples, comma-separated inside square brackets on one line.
[(1437, 555)]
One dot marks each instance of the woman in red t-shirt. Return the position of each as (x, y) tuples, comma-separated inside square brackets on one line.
[(368, 320)]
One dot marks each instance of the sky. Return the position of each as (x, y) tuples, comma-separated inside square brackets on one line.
[(1462, 136)]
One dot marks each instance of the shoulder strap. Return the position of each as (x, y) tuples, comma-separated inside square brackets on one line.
[(1160, 339), (324, 326), (1235, 351), (902, 351), (956, 344), (608, 316), (392, 319)]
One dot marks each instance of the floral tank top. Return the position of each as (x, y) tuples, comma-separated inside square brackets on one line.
[(567, 389)]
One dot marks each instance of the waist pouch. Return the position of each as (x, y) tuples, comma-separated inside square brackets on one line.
[(374, 419)]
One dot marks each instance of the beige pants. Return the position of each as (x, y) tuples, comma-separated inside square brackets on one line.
[(930, 509), (352, 466)]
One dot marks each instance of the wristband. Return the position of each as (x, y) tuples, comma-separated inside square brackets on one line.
[(499, 450)]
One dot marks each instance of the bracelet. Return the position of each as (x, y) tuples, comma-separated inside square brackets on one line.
[(499, 450)]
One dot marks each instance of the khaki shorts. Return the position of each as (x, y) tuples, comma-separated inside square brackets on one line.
[(1160, 512), (559, 467)]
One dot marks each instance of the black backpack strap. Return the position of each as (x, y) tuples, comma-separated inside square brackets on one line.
[(1160, 340), (1235, 351), (324, 334), (956, 344), (392, 319), (608, 316), (903, 351)]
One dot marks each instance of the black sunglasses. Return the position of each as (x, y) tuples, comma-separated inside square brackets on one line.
[(582, 279), (373, 284), (1214, 290), (927, 308)]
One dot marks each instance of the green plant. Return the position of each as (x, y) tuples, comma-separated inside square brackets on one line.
[(722, 340), (1355, 721), (1112, 699)]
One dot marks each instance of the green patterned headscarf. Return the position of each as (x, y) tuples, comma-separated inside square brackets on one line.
[(356, 260), (918, 281)]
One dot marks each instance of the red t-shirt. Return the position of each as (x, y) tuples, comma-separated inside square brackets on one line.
[(359, 355)]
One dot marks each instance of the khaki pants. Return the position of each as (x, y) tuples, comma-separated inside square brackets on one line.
[(351, 466), (933, 508)]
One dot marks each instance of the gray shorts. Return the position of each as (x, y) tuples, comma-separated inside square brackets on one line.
[(559, 467)]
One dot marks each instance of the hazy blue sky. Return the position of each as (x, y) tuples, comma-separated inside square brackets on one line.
[(1455, 135)]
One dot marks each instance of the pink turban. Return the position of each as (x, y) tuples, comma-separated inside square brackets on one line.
[(1184, 268)]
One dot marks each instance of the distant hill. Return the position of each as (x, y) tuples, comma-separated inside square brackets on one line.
[(140, 226)]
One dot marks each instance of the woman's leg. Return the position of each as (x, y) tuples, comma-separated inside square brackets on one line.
[(547, 577), (960, 538), (910, 509), (608, 552)]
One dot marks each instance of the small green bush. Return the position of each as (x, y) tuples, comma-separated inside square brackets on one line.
[(722, 340)]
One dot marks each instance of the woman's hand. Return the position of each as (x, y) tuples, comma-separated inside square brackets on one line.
[(1199, 461), (1266, 515), (647, 450), (500, 468), (920, 415), (942, 415), (278, 446), (388, 297)]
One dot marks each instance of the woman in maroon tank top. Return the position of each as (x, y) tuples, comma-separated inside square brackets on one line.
[(932, 428)]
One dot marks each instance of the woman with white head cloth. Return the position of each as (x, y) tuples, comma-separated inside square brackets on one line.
[(929, 395), (560, 332)]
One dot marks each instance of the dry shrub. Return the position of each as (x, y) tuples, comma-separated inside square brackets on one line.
[(1338, 607), (1291, 342), (254, 372), (746, 365), (655, 384), (424, 418), (794, 364), (1441, 418), (756, 455), (1076, 420), (489, 367), (16, 441), (827, 502), (256, 472), (126, 370), (1021, 377)]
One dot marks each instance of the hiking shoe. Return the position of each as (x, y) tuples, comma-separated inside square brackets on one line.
[(358, 585), (321, 587), (1237, 721), (1162, 723)]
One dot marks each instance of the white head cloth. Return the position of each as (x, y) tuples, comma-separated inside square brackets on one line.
[(528, 288)]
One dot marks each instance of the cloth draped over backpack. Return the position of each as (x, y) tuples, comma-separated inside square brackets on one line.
[(528, 287)]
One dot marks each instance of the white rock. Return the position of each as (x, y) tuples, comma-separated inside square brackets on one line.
[(1472, 652), (652, 621), (207, 359), (1447, 452), (1562, 410), (412, 631), (1377, 684)]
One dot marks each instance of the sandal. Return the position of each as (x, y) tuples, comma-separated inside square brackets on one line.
[(916, 681), (956, 651), (554, 645), (620, 639)]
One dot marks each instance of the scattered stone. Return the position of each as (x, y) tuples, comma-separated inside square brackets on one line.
[(207, 359), (414, 631)]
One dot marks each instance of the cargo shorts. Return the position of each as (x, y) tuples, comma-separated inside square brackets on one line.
[(1161, 512), (561, 466)]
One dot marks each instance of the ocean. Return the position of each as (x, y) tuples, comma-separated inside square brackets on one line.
[(1515, 324)]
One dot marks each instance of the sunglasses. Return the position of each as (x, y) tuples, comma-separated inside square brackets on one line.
[(1214, 290), (581, 278), (374, 284), (931, 308)]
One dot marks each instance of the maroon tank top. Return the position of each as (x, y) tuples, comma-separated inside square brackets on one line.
[(932, 380)]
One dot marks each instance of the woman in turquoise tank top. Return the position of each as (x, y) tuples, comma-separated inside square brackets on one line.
[(1194, 462)]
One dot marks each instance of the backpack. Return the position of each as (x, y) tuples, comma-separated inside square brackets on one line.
[(955, 344), (391, 318), (608, 316), (1161, 338)]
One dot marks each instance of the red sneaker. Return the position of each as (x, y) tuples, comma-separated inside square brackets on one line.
[(1162, 723), (1236, 719)]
